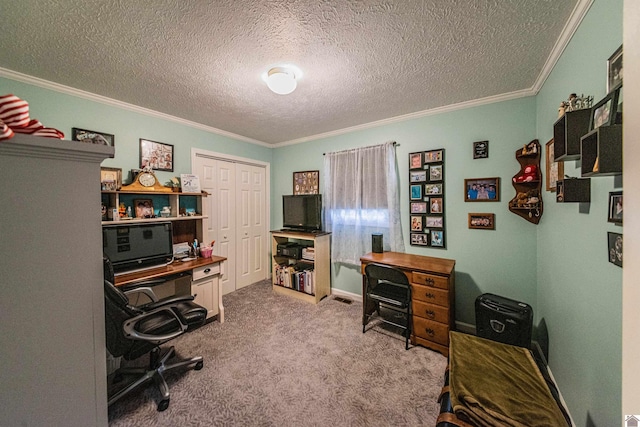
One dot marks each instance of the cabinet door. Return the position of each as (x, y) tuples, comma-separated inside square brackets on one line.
[(206, 294)]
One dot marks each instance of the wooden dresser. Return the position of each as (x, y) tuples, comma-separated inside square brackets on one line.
[(432, 295)]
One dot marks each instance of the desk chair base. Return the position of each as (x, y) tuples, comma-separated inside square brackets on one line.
[(157, 368)]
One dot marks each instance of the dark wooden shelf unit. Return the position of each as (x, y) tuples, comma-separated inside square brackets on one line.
[(604, 146), (530, 211), (567, 131), (573, 190)]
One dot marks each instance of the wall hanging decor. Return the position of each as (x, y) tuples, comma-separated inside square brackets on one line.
[(426, 198), (307, 182), (481, 149), (614, 242), (92, 137), (156, 155), (528, 184)]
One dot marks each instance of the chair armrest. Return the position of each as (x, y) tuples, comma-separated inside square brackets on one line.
[(129, 327), (144, 290)]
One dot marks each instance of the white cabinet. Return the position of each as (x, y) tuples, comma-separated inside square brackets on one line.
[(205, 287)]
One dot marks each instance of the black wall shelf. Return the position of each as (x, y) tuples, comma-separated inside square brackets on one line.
[(601, 151), (567, 131), (573, 190)]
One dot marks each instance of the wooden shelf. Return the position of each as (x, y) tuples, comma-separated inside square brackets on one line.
[(527, 190), (567, 131)]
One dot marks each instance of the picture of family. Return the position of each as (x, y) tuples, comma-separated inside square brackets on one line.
[(482, 190), (420, 239), (416, 223), (433, 189)]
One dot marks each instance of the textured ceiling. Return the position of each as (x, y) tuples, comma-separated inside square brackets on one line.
[(363, 61)]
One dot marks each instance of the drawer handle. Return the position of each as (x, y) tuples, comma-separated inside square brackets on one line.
[(430, 313), (207, 270), (430, 295), (430, 282), (430, 332)]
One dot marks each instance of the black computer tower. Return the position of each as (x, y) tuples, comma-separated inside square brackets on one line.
[(504, 320)]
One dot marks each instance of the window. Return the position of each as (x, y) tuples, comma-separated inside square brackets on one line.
[(361, 197)]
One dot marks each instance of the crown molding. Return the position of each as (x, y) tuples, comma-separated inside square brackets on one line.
[(439, 110), (578, 14), (35, 81)]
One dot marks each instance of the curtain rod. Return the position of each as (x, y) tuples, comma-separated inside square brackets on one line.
[(395, 144)]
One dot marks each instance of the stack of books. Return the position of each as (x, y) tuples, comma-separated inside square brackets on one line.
[(300, 280), (309, 253)]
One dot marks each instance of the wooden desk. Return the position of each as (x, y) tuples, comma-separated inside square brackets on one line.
[(432, 295), (205, 283)]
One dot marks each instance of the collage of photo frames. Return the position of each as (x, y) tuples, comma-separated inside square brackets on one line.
[(426, 195)]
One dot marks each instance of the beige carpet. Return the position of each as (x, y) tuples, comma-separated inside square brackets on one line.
[(277, 361)]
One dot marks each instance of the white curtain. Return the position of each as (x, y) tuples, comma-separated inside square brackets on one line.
[(361, 197)]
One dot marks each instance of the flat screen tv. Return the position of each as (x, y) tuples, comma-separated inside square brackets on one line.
[(133, 247), (302, 212)]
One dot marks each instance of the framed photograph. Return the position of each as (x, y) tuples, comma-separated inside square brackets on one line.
[(156, 155), (435, 221), (482, 221), (433, 156), (144, 208), (418, 176), (435, 173), (482, 190), (415, 161), (110, 179), (614, 69), (433, 189), (555, 170), (437, 238), (420, 239), (416, 192), (418, 207), (92, 137), (435, 205), (603, 113), (615, 207), (306, 182), (615, 248), (481, 149), (416, 223)]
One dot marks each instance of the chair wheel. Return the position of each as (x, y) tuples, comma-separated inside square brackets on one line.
[(199, 365), (164, 404)]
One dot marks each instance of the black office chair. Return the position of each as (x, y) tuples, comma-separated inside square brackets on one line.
[(387, 287), (135, 331)]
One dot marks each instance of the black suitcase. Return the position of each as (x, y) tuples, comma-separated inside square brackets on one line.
[(504, 320)]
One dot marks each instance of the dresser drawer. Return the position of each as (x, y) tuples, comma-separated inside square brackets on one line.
[(431, 331), (430, 295), (430, 311), (430, 280), (206, 271)]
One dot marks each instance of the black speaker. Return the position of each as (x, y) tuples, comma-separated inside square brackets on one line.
[(504, 320), (376, 243)]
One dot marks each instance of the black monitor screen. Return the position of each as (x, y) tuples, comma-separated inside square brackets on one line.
[(302, 212), (137, 245)]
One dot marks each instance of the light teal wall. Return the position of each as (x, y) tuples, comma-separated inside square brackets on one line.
[(63, 111), (579, 292), (501, 261)]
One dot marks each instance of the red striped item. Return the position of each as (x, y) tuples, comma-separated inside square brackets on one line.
[(14, 117)]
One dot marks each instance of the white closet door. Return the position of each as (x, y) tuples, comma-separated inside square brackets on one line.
[(226, 245), (251, 237)]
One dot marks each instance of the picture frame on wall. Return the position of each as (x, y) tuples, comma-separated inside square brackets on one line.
[(418, 176), (92, 137), (420, 239), (156, 155), (418, 207), (482, 190), (110, 179), (435, 173), (482, 221), (615, 207), (614, 69), (614, 242), (427, 199), (433, 156), (306, 182), (416, 192), (437, 238), (415, 161), (603, 113), (433, 189), (481, 149), (555, 170), (416, 223)]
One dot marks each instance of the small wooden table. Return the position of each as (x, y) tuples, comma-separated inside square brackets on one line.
[(199, 268), (432, 295)]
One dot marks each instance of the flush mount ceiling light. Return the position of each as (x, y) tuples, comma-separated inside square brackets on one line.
[(282, 80)]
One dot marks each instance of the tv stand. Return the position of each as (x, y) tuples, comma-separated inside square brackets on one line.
[(318, 270)]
